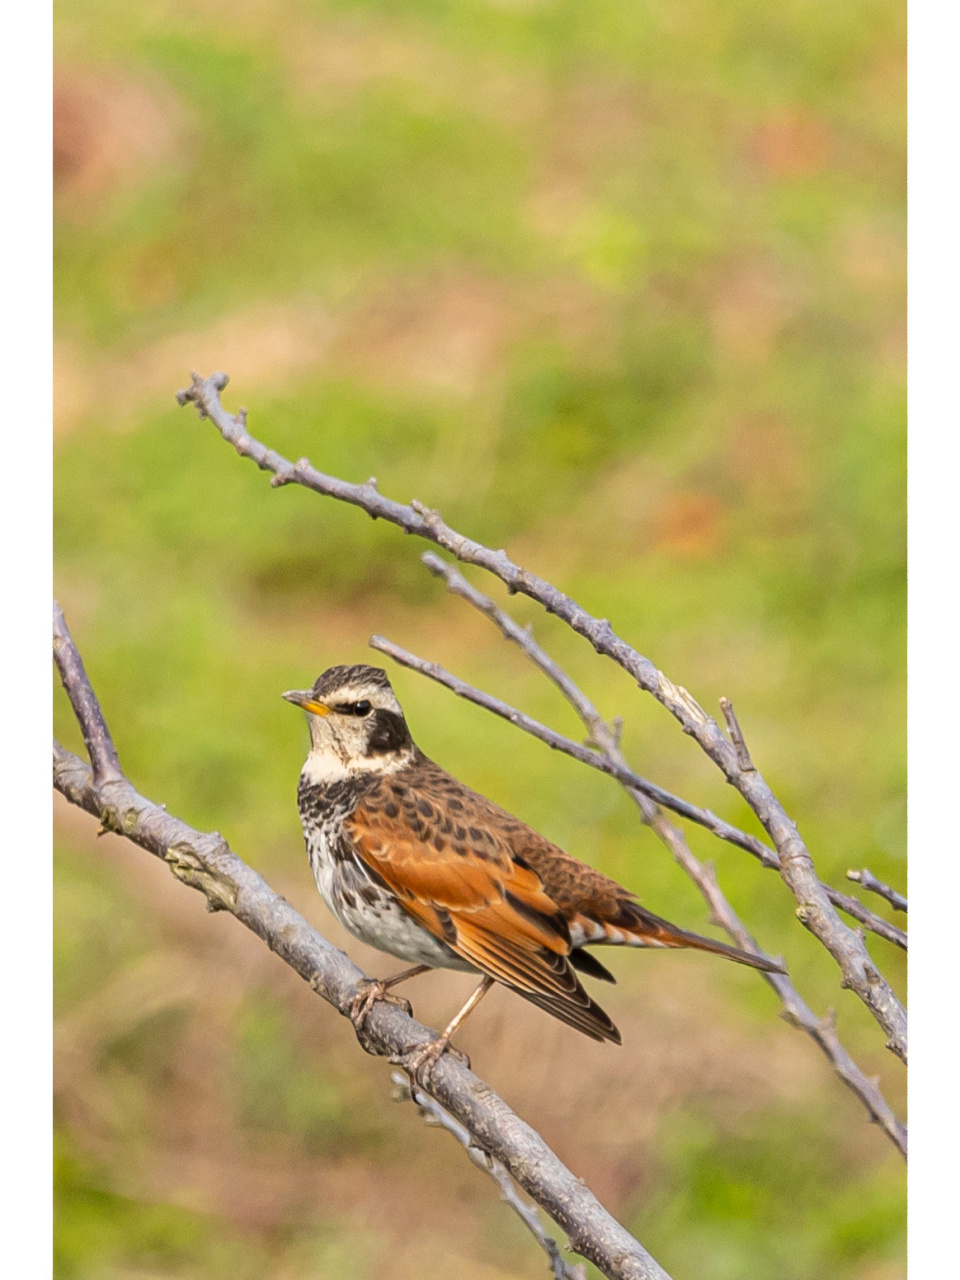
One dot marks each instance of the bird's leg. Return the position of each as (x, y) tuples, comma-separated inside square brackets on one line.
[(421, 1061), (370, 990)]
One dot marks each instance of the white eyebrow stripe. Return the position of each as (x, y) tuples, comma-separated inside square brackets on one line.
[(381, 699)]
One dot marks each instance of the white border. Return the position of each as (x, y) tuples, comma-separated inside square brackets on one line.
[(934, 505), (26, 543)]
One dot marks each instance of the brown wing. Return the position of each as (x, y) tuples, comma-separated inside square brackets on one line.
[(447, 855)]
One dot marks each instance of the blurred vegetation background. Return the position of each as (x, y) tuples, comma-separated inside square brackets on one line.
[(620, 286)]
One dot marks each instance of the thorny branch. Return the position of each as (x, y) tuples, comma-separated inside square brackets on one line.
[(814, 908), (435, 1114), (606, 741), (870, 881), (876, 924), (204, 861)]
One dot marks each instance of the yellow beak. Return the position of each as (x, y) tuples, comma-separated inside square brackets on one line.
[(304, 698)]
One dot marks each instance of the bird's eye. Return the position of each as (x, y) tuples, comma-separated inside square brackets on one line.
[(362, 708)]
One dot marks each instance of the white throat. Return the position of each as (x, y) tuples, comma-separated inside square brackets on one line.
[(324, 765)]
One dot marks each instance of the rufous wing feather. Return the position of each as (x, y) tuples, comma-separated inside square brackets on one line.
[(462, 883)]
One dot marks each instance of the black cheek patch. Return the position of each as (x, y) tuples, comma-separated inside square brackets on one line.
[(388, 733)]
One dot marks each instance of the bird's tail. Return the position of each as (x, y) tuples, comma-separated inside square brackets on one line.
[(634, 926)]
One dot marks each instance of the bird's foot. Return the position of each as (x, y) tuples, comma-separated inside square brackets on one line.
[(421, 1061), (368, 993)]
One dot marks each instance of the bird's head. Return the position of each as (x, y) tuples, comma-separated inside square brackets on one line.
[(356, 723)]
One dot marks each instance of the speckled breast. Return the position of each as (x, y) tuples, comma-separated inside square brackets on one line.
[(364, 907)]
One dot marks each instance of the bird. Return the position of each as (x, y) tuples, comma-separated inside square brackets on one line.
[(416, 864)]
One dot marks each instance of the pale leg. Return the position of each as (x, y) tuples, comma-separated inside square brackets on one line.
[(422, 1061), (370, 991)]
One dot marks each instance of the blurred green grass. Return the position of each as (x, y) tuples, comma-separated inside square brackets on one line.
[(619, 288)]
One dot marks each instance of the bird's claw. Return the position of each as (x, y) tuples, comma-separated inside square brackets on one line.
[(368, 993), (421, 1061)]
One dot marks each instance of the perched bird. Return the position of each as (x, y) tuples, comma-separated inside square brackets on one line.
[(416, 864)]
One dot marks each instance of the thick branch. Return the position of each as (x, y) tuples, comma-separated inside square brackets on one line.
[(204, 861), (434, 1114), (870, 881), (606, 741), (814, 910)]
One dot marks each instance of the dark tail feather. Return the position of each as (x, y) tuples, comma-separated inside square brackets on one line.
[(644, 929), (590, 965), (697, 943)]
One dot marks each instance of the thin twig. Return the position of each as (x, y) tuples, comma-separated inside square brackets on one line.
[(585, 754), (799, 1014), (96, 735), (579, 752), (607, 741), (736, 735), (814, 908), (434, 1114), (607, 764), (603, 737), (876, 924), (870, 881), (204, 861)]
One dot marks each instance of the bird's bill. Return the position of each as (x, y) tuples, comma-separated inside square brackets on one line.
[(304, 698)]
